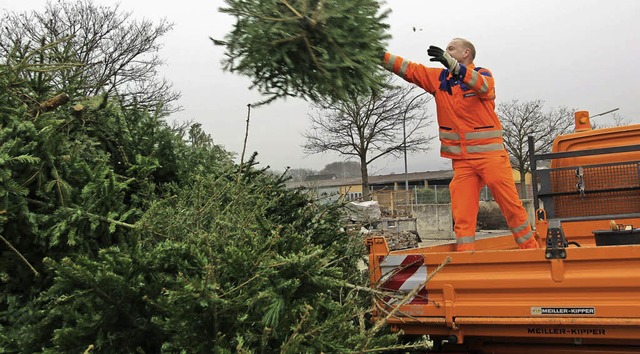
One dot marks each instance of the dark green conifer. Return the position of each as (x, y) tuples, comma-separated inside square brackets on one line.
[(321, 50)]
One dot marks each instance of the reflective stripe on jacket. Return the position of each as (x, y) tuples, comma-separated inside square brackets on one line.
[(465, 104)]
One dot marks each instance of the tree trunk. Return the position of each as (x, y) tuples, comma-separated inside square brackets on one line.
[(366, 194), (53, 102)]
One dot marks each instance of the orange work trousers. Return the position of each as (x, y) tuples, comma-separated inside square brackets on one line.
[(469, 176)]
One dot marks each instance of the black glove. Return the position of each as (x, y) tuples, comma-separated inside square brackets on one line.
[(443, 57)]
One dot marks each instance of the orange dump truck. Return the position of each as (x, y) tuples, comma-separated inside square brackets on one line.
[(578, 293)]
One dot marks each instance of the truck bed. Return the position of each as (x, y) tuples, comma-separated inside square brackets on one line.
[(500, 294)]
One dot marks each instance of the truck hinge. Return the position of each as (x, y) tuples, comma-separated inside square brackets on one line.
[(556, 243)]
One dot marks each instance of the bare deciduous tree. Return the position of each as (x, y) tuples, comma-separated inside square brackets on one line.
[(113, 53), (527, 118), (343, 169), (299, 174), (369, 128)]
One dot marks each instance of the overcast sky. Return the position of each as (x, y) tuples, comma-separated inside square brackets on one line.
[(581, 54)]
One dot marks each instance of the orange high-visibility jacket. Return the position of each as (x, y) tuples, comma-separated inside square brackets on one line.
[(465, 103)]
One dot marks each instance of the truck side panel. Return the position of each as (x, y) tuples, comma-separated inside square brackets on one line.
[(591, 295)]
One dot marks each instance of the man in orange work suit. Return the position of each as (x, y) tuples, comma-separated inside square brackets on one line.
[(471, 135)]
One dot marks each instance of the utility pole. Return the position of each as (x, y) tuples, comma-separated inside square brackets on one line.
[(404, 135), (404, 143)]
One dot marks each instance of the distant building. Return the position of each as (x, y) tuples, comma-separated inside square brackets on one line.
[(330, 188), (413, 180), (320, 177)]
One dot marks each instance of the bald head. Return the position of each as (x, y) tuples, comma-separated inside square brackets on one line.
[(462, 50)]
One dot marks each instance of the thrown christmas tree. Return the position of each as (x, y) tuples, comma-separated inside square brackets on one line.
[(321, 50)]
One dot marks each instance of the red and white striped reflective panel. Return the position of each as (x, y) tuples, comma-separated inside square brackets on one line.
[(402, 274)]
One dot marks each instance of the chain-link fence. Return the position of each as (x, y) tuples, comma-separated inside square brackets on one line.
[(393, 200), (432, 195)]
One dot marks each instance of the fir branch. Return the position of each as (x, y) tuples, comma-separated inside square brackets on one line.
[(362, 288), (240, 286), (423, 345), (286, 40), (108, 220), (20, 255), (291, 8), (313, 56), (33, 177), (24, 63), (409, 296), (88, 214), (296, 331), (244, 145), (380, 323), (26, 159), (305, 57)]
